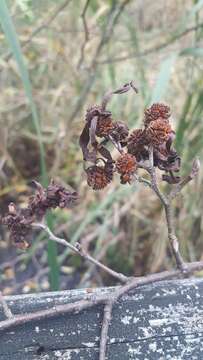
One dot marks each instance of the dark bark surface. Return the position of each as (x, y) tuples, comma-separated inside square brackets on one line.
[(159, 321)]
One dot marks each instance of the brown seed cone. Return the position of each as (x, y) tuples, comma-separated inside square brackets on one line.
[(156, 111), (136, 140), (98, 177), (120, 132), (126, 164), (136, 145), (104, 126), (158, 132)]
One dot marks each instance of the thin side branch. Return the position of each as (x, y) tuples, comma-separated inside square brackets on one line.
[(173, 238), (152, 49), (104, 331), (75, 307), (111, 20), (151, 170), (168, 213), (86, 32), (79, 250), (91, 300), (194, 172), (43, 26)]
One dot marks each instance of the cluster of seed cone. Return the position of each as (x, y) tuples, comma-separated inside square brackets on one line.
[(156, 133)]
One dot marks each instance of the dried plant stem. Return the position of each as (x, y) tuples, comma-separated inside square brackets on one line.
[(173, 238), (168, 213), (86, 34), (6, 309), (105, 327), (75, 307), (79, 250), (193, 173)]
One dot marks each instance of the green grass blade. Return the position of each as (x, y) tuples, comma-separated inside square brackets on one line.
[(12, 38), (165, 71), (192, 51), (197, 7), (163, 78)]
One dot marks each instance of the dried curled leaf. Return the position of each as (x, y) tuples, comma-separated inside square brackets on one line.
[(120, 133), (54, 196), (19, 222), (170, 179), (126, 87)]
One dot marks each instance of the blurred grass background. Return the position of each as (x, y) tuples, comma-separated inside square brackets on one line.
[(56, 59)]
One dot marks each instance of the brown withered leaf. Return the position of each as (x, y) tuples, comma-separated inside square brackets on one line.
[(105, 153), (171, 179), (84, 141), (126, 87)]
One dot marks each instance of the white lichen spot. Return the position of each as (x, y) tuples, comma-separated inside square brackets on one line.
[(61, 334), (135, 320), (134, 351), (112, 340), (159, 322), (147, 332), (89, 344), (58, 353), (126, 320), (153, 346), (37, 329), (51, 330), (66, 355)]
